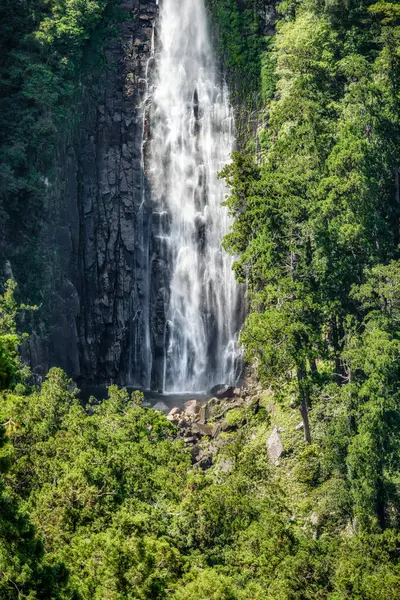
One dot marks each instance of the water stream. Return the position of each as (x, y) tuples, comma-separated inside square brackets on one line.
[(191, 139)]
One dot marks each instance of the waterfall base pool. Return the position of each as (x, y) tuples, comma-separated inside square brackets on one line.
[(150, 397)]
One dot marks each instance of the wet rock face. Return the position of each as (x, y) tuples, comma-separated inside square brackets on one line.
[(223, 391), (108, 319), (162, 407), (114, 210)]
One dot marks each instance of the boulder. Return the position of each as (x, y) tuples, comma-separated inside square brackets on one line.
[(275, 446), (225, 426), (205, 462), (192, 408), (216, 430), (223, 391), (212, 402), (173, 418), (161, 407), (225, 408), (196, 453), (190, 439), (174, 412), (255, 404), (202, 429), (203, 414), (225, 465), (213, 406)]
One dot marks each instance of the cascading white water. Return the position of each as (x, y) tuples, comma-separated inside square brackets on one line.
[(192, 138)]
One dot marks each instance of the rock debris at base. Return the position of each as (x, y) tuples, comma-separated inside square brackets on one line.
[(196, 422)]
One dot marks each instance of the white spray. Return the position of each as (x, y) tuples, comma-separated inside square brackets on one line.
[(192, 138)]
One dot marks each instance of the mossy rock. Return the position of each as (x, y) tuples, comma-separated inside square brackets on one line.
[(235, 417)]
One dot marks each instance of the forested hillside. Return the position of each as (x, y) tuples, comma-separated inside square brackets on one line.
[(317, 232), (102, 500)]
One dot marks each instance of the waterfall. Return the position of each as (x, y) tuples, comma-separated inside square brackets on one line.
[(191, 139)]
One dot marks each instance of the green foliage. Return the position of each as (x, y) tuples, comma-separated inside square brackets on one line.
[(366, 568), (115, 511), (208, 584), (316, 239), (23, 569), (244, 50), (103, 502), (43, 48), (11, 369)]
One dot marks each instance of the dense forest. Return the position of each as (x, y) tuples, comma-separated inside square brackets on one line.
[(101, 500)]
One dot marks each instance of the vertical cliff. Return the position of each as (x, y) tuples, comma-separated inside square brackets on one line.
[(114, 208), (105, 317), (95, 235)]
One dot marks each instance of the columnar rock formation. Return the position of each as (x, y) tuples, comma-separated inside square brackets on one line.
[(115, 209)]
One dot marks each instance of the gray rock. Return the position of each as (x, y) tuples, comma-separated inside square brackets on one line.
[(223, 391), (8, 272), (221, 411), (225, 465), (216, 430), (174, 415), (212, 402), (117, 315), (203, 414), (174, 419), (190, 439), (174, 412), (196, 453), (275, 446), (202, 429), (213, 406), (97, 226), (192, 408), (226, 427), (161, 407)]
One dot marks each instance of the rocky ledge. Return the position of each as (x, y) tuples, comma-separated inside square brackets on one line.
[(203, 427)]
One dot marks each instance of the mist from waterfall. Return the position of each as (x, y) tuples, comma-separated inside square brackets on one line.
[(192, 137)]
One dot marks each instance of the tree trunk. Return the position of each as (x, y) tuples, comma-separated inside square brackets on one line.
[(380, 504), (304, 404), (337, 335), (304, 413)]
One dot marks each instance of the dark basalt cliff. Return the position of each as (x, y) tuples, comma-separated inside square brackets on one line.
[(114, 217), (100, 235)]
